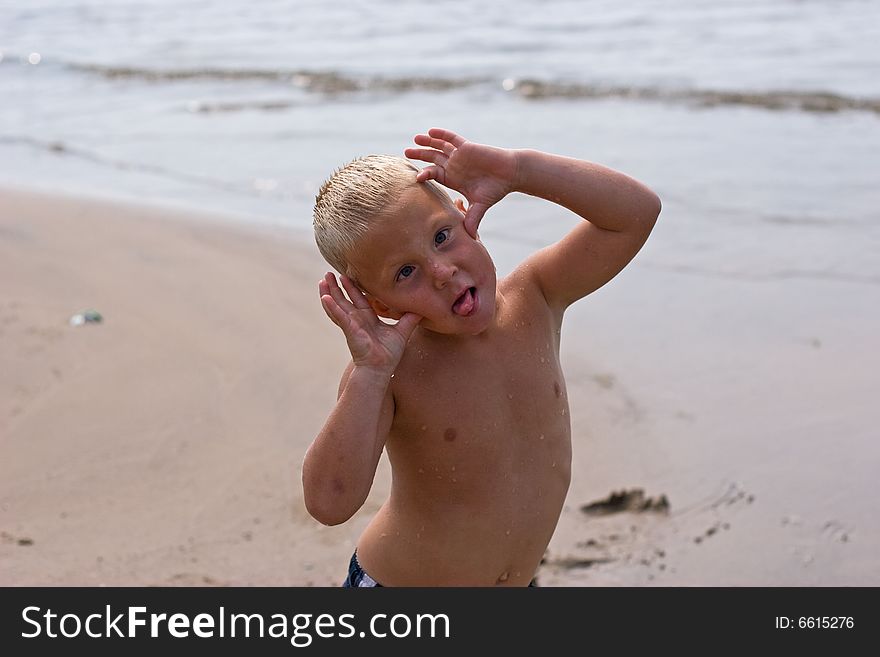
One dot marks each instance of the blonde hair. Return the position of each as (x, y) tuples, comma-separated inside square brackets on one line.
[(353, 197)]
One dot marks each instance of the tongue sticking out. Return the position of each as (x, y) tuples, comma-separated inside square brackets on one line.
[(464, 305)]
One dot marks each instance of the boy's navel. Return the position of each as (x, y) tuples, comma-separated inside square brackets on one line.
[(450, 434)]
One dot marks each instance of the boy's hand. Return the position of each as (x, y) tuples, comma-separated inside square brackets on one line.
[(482, 174), (372, 343)]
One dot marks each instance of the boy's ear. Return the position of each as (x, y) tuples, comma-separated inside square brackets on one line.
[(381, 309)]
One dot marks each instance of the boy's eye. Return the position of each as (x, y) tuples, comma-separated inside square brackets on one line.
[(442, 236), (405, 272)]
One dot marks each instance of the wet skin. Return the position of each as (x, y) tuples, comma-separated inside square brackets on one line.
[(480, 439)]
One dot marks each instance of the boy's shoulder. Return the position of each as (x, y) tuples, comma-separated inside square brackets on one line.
[(522, 292)]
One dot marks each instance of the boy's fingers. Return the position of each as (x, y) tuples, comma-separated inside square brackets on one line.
[(473, 218), (357, 297), (427, 155), (447, 135), (439, 144), (432, 172), (331, 309), (407, 324), (336, 292), (339, 317)]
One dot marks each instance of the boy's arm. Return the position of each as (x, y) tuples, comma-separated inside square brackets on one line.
[(619, 211), (340, 465)]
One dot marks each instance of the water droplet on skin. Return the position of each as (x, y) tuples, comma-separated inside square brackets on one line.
[(454, 480), (383, 535), (510, 395), (453, 468), (421, 471), (563, 411), (542, 359), (424, 426), (554, 464), (507, 532), (504, 576), (541, 437)]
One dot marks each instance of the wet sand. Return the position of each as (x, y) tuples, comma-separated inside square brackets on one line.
[(162, 445)]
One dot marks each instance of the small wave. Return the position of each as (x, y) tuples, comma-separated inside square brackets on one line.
[(159, 75), (805, 101), (335, 83), (318, 81), (203, 107)]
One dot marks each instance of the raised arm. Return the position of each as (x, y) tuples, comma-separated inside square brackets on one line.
[(340, 465), (619, 211)]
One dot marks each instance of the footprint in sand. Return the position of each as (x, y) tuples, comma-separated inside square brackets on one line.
[(24, 541), (636, 531), (620, 533)]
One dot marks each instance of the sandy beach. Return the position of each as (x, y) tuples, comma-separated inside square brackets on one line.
[(162, 446)]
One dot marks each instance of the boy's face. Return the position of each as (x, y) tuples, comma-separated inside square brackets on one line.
[(419, 258)]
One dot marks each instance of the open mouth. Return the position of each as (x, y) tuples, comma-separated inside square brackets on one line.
[(466, 303)]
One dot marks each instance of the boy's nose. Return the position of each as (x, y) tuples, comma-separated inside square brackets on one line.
[(442, 273)]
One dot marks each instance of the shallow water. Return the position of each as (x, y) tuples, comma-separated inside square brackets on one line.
[(750, 118)]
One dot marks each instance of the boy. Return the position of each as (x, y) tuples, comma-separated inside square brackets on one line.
[(465, 391)]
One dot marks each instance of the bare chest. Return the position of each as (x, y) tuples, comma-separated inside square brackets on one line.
[(489, 416)]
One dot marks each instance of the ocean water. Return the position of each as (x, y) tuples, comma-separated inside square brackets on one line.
[(748, 117), (744, 334)]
